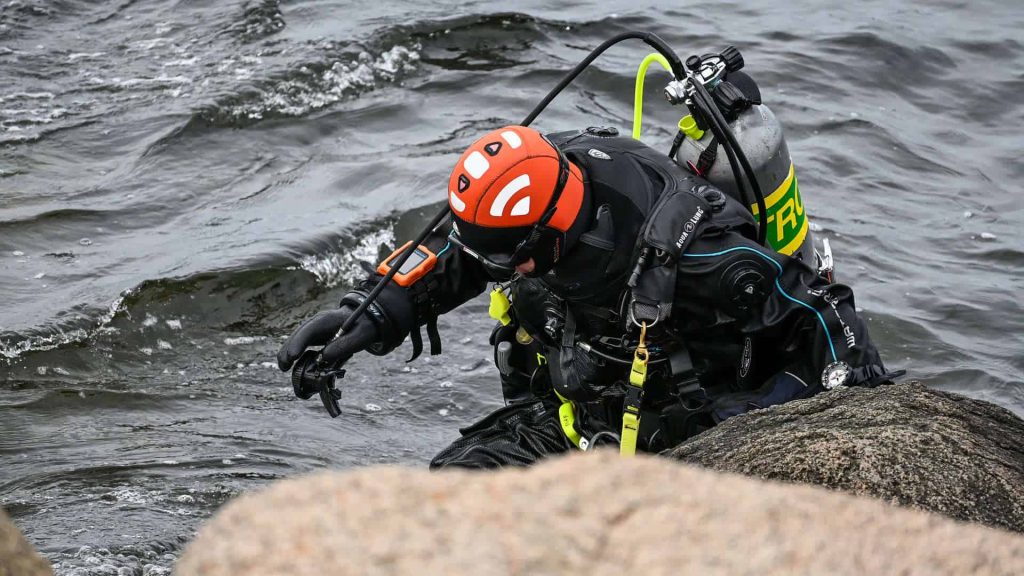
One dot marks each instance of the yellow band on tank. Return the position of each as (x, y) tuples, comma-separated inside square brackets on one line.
[(787, 221)]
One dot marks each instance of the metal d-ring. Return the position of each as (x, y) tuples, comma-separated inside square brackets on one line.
[(632, 315)]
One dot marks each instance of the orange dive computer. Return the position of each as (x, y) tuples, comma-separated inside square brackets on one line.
[(419, 263)]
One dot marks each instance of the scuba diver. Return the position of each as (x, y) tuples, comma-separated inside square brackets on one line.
[(638, 302)]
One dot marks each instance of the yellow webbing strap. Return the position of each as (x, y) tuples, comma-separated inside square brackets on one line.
[(634, 396), (638, 90)]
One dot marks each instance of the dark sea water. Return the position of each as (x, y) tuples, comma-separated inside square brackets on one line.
[(181, 183)]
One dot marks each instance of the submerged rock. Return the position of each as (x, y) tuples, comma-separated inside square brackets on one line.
[(594, 514), (17, 556), (905, 444)]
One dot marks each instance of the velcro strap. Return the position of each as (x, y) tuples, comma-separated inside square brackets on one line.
[(434, 336), (707, 157), (417, 344), (417, 340)]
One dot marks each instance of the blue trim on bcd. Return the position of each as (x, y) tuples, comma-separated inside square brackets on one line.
[(828, 335)]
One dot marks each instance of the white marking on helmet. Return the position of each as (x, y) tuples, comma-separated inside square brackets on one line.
[(456, 202), (476, 165), (522, 208), (512, 138), (506, 194)]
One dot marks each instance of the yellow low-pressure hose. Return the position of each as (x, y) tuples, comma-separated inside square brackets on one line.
[(638, 92)]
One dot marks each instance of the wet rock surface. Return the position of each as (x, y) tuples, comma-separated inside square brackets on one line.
[(592, 514), (905, 444), (17, 556)]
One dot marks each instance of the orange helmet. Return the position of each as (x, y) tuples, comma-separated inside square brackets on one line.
[(515, 196)]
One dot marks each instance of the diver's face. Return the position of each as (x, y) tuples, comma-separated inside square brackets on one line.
[(526, 268)]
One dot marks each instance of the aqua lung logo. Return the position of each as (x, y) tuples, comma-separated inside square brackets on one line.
[(690, 225), (833, 302), (595, 153)]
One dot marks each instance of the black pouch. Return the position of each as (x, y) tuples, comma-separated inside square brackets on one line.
[(673, 224)]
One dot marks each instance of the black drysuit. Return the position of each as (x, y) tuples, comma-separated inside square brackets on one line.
[(757, 328)]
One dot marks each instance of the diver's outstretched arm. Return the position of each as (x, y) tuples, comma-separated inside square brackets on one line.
[(398, 310)]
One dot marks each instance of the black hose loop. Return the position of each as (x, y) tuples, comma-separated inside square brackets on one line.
[(650, 38), (653, 40), (720, 127)]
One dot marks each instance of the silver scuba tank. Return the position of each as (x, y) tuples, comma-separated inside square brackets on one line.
[(759, 135)]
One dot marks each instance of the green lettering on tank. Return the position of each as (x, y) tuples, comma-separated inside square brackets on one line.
[(787, 222)]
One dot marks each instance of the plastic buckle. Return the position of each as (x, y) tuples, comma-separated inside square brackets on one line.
[(634, 397)]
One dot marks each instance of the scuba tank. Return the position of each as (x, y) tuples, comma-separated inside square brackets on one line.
[(760, 138)]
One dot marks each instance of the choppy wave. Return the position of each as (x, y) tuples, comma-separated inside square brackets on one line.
[(260, 19), (315, 86), (344, 262), (12, 346)]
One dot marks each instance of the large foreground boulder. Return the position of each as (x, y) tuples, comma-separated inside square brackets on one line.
[(17, 556), (905, 444), (593, 514)]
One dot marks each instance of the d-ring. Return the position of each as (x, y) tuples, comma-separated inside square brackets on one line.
[(632, 315)]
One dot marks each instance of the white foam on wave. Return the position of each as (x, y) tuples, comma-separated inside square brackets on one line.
[(186, 62), (27, 96), (123, 83), (242, 340), (9, 351), (343, 266), (318, 90), (85, 56)]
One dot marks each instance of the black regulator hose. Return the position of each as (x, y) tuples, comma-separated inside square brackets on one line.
[(708, 109), (652, 40), (648, 37), (724, 134)]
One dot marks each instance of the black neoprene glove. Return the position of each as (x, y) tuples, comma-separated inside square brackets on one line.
[(321, 330)]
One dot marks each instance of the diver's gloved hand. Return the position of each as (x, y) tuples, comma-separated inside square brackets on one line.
[(321, 330)]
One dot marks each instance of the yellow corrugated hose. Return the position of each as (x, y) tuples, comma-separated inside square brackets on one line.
[(638, 92)]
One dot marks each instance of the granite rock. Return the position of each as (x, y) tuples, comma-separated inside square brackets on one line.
[(17, 556), (905, 444), (595, 514)]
